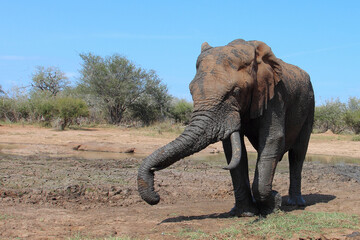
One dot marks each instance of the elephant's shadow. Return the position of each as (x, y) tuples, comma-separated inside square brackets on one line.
[(311, 199)]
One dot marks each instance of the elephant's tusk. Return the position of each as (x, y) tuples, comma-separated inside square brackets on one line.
[(236, 151)]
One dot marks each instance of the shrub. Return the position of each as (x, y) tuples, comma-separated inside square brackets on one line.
[(69, 109), (121, 86), (330, 116), (181, 110), (42, 107), (14, 109), (352, 116), (352, 119), (356, 138), (6, 112)]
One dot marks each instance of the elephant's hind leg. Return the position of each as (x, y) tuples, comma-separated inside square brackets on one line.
[(296, 159), (244, 205)]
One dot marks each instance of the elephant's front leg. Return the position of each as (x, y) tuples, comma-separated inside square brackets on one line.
[(267, 199), (244, 205), (270, 152)]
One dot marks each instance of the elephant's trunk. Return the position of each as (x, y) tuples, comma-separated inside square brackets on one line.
[(195, 138)]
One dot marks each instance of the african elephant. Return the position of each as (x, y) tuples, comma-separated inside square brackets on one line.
[(242, 89)]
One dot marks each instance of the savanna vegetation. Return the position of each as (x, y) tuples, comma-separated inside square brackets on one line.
[(338, 117), (114, 90), (110, 90)]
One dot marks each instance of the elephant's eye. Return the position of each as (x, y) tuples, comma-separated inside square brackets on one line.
[(241, 67), (244, 65)]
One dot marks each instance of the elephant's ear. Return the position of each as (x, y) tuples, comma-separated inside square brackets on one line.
[(205, 46), (268, 75)]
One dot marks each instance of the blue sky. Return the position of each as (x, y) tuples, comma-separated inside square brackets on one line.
[(322, 37)]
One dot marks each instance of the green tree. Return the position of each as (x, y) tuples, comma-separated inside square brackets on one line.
[(154, 104), (181, 110), (352, 115), (14, 106), (6, 105), (1, 91), (353, 104), (50, 79), (69, 109), (330, 116), (42, 106), (121, 86)]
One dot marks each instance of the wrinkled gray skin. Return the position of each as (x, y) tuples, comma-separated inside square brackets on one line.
[(242, 89)]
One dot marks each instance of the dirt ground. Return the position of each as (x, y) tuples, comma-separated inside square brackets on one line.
[(66, 184)]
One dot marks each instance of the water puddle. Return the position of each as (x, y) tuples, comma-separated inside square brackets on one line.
[(93, 155), (219, 160), (211, 159)]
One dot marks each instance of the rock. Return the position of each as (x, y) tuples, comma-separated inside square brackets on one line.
[(76, 147), (130, 150), (215, 150), (101, 147)]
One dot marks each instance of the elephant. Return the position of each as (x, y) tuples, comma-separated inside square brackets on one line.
[(243, 89)]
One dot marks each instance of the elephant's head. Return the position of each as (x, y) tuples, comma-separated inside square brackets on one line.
[(232, 82)]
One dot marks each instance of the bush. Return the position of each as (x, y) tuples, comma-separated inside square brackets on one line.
[(68, 110), (352, 119), (356, 138), (122, 87), (15, 108), (6, 112), (352, 116), (47, 108), (330, 116), (181, 110), (42, 106)]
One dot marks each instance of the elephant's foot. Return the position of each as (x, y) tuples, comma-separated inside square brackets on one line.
[(241, 212), (296, 200), (272, 204), (244, 208)]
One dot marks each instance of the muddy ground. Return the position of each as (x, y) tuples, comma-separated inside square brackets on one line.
[(59, 185)]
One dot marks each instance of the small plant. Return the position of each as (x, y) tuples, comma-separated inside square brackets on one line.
[(190, 233), (356, 138), (4, 217)]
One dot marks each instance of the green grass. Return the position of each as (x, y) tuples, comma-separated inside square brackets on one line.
[(191, 233), (279, 225), (161, 128), (331, 137), (4, 217), (356, 138), (286, 225)]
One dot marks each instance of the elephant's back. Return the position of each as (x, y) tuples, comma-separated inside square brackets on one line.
[(298, 87), (299, 102)]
